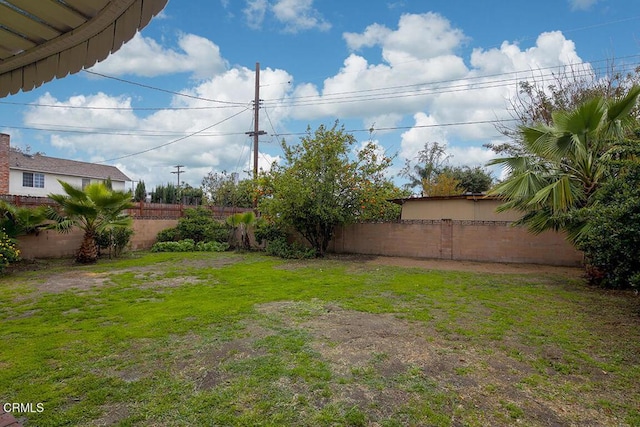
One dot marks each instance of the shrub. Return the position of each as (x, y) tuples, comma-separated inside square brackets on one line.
[(612, 237), (168, 235), (268, 232), (9, 253), (188, 245), (281, 248), (198, 225), (116, 240)]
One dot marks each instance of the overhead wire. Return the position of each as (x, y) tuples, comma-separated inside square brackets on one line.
[(86, 107), (104, 131), (162, 90), (173, 141), (423, 88)]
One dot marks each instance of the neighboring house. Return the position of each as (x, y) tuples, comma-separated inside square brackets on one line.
[(24, 174), (465, 207)]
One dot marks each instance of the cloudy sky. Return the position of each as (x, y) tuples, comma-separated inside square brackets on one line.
[(398, 72)]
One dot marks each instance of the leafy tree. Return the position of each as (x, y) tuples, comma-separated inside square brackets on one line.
[(108, 183), (444, 184), (430, 171), (426, 167), (471, 179), (565, 163), (165, 194), (190, 195), (140, 194), (94, 209), (225, 189), (536, 101), (375, 205), (322, 184), (611, 239)]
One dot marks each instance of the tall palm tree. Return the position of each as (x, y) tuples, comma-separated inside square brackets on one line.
[(94, 209), (565, 163)]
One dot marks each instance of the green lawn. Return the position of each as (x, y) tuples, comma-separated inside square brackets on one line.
[(217, 339)]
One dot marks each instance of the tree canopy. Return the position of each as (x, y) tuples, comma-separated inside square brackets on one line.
[(563, 164), (326, 182), (226, 189), (430, 172)]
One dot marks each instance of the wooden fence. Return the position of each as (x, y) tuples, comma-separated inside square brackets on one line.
[(142, 210)]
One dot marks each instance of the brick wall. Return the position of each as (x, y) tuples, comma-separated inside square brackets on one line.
[(491, 241), (4, 163), (51, 244), (494, 241)]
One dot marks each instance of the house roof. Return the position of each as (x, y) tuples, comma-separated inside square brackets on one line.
[(43, 39), (52, 165)]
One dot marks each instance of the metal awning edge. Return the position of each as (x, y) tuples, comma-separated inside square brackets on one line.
[(81, 48)]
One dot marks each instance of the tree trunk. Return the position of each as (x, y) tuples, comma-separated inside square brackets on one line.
[(88, 252)]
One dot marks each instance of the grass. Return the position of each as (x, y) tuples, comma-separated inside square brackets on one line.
[(174, 339)]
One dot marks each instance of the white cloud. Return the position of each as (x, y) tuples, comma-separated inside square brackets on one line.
[(425, 130), (419, 36), (373, 35), (294, 15), (299, 15), (430, 85), (120, 133), (255, 12), (144, 56), (582, 4)]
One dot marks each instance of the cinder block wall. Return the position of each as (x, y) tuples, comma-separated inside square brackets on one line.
[(5, 145), (494, 241), (51, 244)]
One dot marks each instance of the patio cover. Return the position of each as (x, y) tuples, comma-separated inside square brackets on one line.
[(43, 39)]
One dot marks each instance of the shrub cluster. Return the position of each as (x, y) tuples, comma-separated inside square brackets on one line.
[(198, 225), (189, 245), (281, 248), (115, 240), (9, 253)]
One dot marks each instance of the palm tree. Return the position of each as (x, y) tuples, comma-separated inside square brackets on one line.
[(243, 222), (17, 220), (94, 209), (565, 163)]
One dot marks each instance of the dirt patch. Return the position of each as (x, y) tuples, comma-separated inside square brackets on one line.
[(77, 280), (381, 362)]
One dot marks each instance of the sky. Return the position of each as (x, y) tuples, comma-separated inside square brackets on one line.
[(399, 73)]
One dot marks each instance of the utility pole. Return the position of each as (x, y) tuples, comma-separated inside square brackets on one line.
[(178, 172), (256, 123)]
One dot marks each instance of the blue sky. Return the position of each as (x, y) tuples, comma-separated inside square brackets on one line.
[(413, 71)]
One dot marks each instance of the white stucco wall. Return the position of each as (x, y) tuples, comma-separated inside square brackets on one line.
[(51, 184)]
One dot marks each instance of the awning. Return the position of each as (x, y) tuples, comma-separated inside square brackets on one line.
[(43, 39)]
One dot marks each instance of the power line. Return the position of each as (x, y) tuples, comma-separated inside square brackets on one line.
[(103, 131), (85, 107), (436, 125), (431, 88), (174, 141), (163, 90), (389, 92)]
